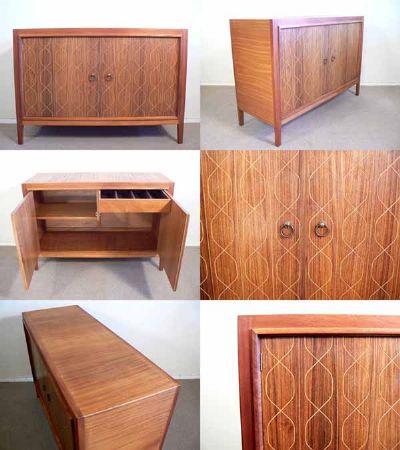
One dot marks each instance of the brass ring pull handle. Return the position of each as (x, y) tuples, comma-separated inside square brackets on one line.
[(321, 229), (286, 230), (333, 58), (92, 77), (108, 77), (325, 60)]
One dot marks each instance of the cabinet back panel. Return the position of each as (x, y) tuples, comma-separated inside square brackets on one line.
[(247, 196), (330, 393)]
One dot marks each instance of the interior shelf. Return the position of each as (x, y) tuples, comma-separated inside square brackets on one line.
[(98, 244), (66, 210)]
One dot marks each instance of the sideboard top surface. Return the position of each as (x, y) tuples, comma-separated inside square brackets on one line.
[(98, 180), (320, 324), (94, 368)]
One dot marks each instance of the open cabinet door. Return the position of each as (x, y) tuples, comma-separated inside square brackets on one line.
[(26, 237), (171, 242)]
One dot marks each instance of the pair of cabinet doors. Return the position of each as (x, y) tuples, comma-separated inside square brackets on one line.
[(316, 60), (80, 76), (300, 225)]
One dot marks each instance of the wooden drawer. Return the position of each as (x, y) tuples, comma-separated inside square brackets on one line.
[(133, 200)]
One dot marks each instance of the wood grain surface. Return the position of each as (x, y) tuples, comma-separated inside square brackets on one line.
[(249, 196), (171, 241), (26, 238), (91, 381), (314, 381)]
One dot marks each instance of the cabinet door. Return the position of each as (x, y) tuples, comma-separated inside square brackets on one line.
[(171, 244), (322, 223), (26, 237), (303, 66), (247, 198), (337, 56), (330, 392), (60, 76), (139, 76)]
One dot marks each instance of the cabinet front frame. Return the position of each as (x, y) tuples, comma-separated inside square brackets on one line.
[(251, 329), (22, 119)]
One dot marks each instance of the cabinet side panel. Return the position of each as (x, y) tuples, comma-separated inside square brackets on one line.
[(139, 425), (253, 67)]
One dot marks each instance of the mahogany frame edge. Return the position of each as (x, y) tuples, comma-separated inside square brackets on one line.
[(251, 327)]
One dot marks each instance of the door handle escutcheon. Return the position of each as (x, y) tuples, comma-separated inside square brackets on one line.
[(286, 230), (333, 58), (108, 77), (321, 229), (92, 77)]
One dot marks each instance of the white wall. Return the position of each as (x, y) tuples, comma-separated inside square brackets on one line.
[(99, 13), (167, 332), (381, 55), (182, 167), (220, 414)]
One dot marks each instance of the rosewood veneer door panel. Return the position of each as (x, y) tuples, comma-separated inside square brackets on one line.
[(247, 199), (330, 393), (171, 244), (384, 257), (337, 56), (26, 237), (219, 203), (303, 71), (357, 223), (322, 222), (60, 76), (139, 76)]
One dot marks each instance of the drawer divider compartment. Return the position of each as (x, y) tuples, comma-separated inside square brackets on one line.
[(133, 200)]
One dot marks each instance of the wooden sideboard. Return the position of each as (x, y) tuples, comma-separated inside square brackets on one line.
[(98, 392), (99, 215), (94, 76), (319, 225), (319, 382), (285, 67)]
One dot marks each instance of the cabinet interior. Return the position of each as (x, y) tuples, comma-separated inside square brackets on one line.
[(70, 224)]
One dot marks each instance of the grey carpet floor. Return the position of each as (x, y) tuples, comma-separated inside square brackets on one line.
[(23, 425), (98, 279), (370, 121), (101, 138)]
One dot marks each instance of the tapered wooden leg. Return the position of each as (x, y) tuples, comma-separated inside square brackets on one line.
[(278, 135), (20, 132), (240, 117), (180, 127), (358, 89)]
